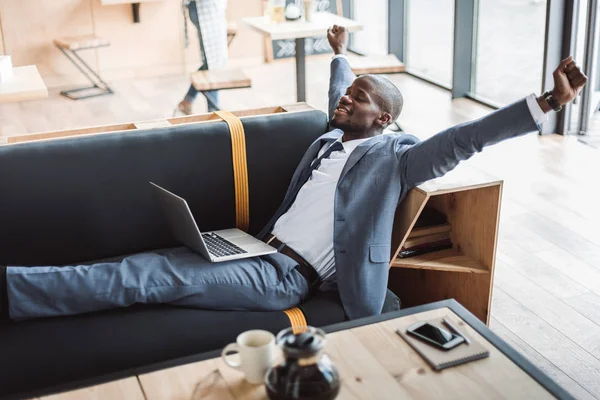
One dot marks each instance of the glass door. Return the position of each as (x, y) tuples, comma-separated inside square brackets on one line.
[(373, 39), (430, 40), (584, 114), (509, 54)]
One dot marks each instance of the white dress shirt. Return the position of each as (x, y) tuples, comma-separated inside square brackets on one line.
[(536, 112), (307, 227)]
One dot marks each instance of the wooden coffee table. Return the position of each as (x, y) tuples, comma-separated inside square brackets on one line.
[(373, 361)]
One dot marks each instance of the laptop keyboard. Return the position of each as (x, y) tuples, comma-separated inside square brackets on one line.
[(219, 247)]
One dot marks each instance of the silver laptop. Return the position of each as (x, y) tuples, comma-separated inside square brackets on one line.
[(222, 245)]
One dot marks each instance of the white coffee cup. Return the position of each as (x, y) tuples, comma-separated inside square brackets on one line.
[(256, 349)]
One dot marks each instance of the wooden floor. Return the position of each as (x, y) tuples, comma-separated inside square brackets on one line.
[(546, 299)]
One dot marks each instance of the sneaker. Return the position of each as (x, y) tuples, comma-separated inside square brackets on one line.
[(185, 107)]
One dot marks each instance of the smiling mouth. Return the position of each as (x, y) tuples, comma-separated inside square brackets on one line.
[(342, 110)]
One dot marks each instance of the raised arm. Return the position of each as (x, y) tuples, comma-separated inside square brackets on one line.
[(341, 74), (434, 157)]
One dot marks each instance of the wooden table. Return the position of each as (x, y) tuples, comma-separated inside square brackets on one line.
[(26, 84), (373, 361), (135, 6), (299, 30)]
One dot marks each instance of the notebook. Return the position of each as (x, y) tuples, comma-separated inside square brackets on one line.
[(440, 359)]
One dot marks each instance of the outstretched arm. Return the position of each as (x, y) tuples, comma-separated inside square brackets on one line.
[(341, 74), (434, 157)]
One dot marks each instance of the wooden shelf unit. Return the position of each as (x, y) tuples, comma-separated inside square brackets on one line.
[(465, 272)]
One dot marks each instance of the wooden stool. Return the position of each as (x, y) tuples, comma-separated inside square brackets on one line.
[(70, 46), (205, 80), (219, 79), (386, 64)]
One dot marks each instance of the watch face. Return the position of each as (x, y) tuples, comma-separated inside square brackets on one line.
[(552, 101)]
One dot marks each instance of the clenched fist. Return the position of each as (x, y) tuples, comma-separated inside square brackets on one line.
[(568, 81), (338, 39)]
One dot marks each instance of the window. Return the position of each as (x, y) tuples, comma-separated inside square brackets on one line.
[(430, 39), (510, 49), (373, 39)]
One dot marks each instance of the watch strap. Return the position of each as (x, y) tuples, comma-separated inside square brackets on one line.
[(552, 102)]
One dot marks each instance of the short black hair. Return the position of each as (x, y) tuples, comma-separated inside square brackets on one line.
[(391, 97)]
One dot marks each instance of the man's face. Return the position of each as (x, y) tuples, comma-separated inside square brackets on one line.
[(359, 109)]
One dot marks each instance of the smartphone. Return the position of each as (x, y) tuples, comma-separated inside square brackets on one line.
[(435, 336)]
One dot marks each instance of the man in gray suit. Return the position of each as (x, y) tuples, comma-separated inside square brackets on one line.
[(333, 228)]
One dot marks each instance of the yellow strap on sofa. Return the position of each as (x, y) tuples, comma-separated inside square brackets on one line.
[(240, 169), (297, 319)]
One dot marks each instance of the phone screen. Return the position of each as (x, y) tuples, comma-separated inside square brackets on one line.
[(438, 335)]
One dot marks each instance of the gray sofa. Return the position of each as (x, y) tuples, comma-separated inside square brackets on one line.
[(80, 199)]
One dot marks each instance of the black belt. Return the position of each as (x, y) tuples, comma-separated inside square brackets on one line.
[(306, 270)]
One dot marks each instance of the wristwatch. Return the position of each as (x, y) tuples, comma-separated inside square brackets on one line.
[(552, 102)]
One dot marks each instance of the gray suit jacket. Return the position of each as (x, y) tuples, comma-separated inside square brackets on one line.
[(377, 176)]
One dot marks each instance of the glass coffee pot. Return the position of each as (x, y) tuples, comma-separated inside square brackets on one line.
[(305, 372)]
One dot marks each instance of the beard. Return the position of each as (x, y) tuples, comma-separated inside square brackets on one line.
[(346, 125)]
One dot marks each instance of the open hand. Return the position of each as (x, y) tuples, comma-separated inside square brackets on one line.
[(568, 81), (338, 39)]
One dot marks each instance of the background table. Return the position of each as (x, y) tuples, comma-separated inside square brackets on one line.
[(135, 6), (299, 30), (26, 84), (373, 361)]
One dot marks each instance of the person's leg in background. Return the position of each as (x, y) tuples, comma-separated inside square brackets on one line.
[(175, 276), (185, 106)]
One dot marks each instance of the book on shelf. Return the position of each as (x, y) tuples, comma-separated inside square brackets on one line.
[(427, 239), (425, 248), (429, 230), (430, 217), (430, 233)]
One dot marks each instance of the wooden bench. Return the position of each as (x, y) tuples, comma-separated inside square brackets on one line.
[(80, 42), (70, 46), (220, 79), (386, 64)]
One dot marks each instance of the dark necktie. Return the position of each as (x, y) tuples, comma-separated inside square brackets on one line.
[(336, 146)]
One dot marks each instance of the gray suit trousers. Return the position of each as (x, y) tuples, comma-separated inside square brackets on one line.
[(174, 276)]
